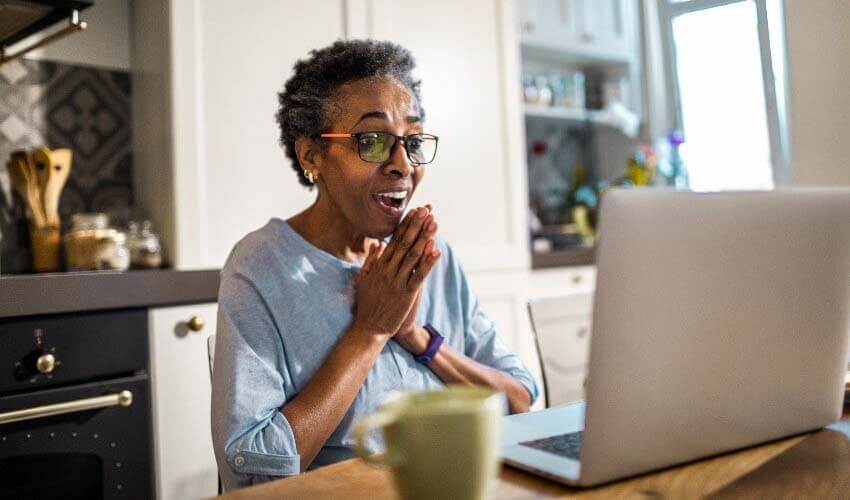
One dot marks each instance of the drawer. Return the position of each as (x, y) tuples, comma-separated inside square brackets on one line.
[(45, 351)]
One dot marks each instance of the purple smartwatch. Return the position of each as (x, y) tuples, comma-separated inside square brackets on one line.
[(433, 345)]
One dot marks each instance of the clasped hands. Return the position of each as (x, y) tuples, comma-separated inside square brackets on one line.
[(389, 285)]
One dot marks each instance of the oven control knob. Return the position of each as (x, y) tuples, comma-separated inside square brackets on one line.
[(45, 363)]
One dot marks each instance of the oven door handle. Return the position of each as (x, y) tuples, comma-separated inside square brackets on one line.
[(123, 398)]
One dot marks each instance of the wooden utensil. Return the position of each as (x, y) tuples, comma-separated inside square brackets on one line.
[(18, 180), (53, 170), (35, 193), (41, 161), (25, 173)]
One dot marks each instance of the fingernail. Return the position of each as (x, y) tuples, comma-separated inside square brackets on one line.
[(420, 213)]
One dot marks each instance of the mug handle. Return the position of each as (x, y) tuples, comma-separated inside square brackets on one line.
[(368, 424)]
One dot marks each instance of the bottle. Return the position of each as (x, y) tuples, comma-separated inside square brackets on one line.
[(678, 172), (544, 92), (143, 243)]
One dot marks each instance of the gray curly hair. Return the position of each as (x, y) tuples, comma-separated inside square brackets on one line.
[(306, 100)]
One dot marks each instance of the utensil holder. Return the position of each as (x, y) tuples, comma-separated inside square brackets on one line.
[(46, 244)]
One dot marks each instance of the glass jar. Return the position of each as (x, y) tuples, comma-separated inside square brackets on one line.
[(91, 245), (143, 243)]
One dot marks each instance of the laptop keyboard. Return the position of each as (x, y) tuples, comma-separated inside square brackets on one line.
[(565, 445)]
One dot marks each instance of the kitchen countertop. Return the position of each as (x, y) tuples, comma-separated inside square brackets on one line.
[(33, 294), (579, 256)]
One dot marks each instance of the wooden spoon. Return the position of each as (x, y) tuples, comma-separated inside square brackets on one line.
[(41, 160), (26, 170), (19, 182), (56, 166)]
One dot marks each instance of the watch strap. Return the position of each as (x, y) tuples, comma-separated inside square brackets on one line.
[(434, 344)]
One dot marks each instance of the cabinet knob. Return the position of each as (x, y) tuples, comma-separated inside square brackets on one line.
[(528, 26), (45, 363), (195, 323), (587, 38)]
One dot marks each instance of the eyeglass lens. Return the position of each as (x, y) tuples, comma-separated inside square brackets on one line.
[(377, 146)]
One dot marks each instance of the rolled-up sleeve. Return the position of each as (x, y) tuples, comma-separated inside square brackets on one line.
[(253, 441), (481, 341), (484, 346)]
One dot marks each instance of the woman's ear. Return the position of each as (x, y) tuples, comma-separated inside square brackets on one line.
[(308, 153)]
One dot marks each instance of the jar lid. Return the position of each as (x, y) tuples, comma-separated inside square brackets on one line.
[(96, 220)]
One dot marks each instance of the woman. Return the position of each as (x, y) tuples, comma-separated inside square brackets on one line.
[(309, 339)]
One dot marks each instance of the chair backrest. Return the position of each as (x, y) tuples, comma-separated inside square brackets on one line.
[(561, 327), (211, 352), (211, 358)]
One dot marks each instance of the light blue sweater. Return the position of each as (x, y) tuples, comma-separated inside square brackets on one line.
[(283, 305)]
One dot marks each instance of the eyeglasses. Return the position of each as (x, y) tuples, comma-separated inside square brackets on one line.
[(376, 147)]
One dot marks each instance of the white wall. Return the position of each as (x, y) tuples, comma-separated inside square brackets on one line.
[(105, 43), (818, 37)]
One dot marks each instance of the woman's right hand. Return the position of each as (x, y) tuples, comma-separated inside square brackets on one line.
[(388, 284)]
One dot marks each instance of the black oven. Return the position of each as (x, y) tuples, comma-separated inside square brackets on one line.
[(75, 418)]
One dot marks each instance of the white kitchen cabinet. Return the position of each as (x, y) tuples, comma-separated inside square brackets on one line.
[(608, 27), (209, 167), (583, 29), (181, 388), (548, 22), (467, 57)]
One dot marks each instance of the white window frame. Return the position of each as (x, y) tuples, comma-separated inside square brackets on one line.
[(775, 106)]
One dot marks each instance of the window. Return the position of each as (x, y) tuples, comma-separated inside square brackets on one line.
[(725, 66)]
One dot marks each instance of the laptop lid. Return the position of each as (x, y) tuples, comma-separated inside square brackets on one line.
[(720, 321)]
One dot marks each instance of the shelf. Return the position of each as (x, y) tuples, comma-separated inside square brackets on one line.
[(570, 115), (577, 55), (578, 256)]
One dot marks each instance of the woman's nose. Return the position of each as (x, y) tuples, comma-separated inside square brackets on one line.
[(398, 163)]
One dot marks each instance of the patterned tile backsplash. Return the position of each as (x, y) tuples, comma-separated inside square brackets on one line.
[(60, 105)]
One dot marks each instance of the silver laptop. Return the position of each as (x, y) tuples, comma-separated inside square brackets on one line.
[(720, 321)]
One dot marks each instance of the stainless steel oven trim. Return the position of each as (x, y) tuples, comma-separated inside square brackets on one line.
[(122, 399)]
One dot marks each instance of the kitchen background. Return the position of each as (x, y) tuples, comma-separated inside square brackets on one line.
[(540, 105)]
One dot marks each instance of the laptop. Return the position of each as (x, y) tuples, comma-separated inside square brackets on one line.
[(720, 321)]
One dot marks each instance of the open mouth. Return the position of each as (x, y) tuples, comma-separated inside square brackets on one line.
[(391, 203)]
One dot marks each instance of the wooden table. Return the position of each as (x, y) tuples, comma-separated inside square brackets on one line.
[(815, 465)]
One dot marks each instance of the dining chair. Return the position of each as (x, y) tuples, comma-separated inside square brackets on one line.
[(561, 328), (211, 359)]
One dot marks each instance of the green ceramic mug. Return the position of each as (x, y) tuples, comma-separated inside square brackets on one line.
[(439, 444)]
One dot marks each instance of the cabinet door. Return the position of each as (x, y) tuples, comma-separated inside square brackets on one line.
[(210, 168), (549, 23), (181, 386), (605, 27), (468, 61)]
